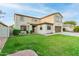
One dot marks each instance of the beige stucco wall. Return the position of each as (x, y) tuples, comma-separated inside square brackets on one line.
[(44, 29), (40, 31), (26, 21), (19, 22), (58, 23), (4, 31), (49, 19)]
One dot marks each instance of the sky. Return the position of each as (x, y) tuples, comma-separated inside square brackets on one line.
[(69, 11)]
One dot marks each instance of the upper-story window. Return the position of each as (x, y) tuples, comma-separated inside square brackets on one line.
[(58, 19), (21, 18), (35, 20)]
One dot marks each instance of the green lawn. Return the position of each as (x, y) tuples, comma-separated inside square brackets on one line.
[(54, 45)]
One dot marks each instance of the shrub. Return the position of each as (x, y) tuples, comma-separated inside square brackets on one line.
[(16, 32), (76, 29)]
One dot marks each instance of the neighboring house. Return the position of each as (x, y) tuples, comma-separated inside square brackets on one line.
[(68, 27), (11, 30), (4, 30), (45, 25)]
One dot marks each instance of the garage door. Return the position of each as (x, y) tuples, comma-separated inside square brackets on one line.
[(4, 32), (57, 28)]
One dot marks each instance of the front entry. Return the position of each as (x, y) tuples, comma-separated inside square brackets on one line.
[(57, 28), (33, 28)]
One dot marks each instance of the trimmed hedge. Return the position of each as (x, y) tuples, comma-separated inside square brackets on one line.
[(16, 32), (76, 29)]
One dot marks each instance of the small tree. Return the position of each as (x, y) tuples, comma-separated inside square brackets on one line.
[(76, 29), (70, 22), (16, 32)]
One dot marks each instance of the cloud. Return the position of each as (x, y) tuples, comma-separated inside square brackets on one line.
[(27, 8), (38, 11), (41, 8), (71, 12)]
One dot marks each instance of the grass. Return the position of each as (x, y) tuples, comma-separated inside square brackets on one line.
[(54, 45)]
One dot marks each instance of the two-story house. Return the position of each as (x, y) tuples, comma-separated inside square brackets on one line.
[(46, 25)]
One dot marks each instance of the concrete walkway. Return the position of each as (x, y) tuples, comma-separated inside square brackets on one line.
[(70, 33), (2, 42), (65, 33), (24, 53)]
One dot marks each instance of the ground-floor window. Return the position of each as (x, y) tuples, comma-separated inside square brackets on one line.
[(48, 27), (23, 27), (40, 27)]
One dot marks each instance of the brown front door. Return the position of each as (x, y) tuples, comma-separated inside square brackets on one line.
[(57, 28)]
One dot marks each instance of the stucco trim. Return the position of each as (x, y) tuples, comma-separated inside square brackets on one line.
[(42, 23), (27, 16), (41, 17)]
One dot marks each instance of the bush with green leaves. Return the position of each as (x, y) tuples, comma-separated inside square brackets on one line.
[(16, 32), (76, 29)]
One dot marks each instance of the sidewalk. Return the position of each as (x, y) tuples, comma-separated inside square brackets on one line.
[(2, 42), (24, 53)]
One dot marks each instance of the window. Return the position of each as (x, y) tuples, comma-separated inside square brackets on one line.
[(35, 20), (40, 27), (21, 18), (23, 28), (48, 27), (58, 19)]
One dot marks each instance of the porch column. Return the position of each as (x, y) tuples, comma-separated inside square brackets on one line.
[(53, 28), (62, 28), (29, 28)]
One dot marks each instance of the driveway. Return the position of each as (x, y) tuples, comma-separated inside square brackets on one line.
[(65, 33), (70, 33), (2, 42)]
